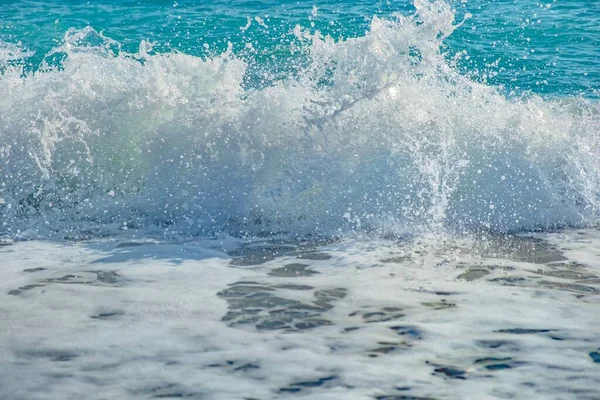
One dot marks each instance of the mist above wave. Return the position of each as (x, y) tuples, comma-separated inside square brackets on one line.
[(377, 133)]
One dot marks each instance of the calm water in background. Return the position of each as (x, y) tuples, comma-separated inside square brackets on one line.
[(548, 47)]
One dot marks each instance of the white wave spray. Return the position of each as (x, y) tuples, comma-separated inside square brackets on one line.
[(377, 134)]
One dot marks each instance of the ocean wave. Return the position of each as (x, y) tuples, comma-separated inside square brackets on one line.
[(379, 133)]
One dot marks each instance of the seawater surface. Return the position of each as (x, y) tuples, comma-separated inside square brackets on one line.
[(221, 318), (335, 199), (393, 119)]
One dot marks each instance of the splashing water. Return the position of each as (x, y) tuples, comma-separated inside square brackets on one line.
[(379, 133)]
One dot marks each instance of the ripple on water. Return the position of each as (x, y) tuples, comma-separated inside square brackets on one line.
[(265, 307)]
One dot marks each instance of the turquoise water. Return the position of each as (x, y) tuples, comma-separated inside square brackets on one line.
[(546, 47), (301, 118), (226, 200)]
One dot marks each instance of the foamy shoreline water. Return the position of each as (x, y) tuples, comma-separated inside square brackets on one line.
[(228, 319), (214, 205)]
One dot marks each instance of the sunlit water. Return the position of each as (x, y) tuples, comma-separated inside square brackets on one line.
[(256, 200)]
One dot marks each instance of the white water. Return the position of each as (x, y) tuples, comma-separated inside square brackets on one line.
[(226, 319), (377, 133), (376, 136)]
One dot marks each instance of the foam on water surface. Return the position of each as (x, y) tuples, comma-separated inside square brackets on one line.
[(221, 318), (322, 217), (378, 133)]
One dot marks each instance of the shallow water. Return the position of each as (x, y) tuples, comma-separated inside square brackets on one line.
[(442, 318)]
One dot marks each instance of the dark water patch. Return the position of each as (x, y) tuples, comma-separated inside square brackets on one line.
[(250, 261), (409, 331), (314, 256), (299, 386), (570, 287), (293, 271), (129, 244), (496, 363), (168, 391), (236, 365), (376, 317), (170, 363), (30, 270), (402, 397), (290, 314), (397, 260), (521, 249), (265, 307), (445, 293), (595, 355), (311, 324), (101, 278), (308, 308), (108, 277), (391, 309), (439, 305), (250, 256), (435, 292), (326, 296), (572, 265), (384, 349), (290, 389), (293, 287), (564, 274), (270, 324), (78, 279), (231, 315), (505, 345), (509, 280), (497, 367), (524, 331), (499, 268), (449, 372), (108, 315), (88, 234), (389, 347), (594, 281), (247, 367), (261, 301), (243, 283), (52, 354), (271, 248), (22, 289), (382, 315), (242, 289), (473, 274), (257, 254)]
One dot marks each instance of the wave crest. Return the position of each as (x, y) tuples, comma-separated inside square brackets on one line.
[(377, 133)]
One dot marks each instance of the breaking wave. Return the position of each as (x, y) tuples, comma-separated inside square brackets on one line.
[(379, 133)]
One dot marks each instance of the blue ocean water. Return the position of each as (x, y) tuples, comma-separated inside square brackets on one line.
[(320, 117), (545, 47)]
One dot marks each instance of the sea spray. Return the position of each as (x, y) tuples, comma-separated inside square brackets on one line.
[(379, 133)]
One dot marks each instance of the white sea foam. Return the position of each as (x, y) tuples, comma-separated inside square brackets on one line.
[(229, 319), (377, 133)]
